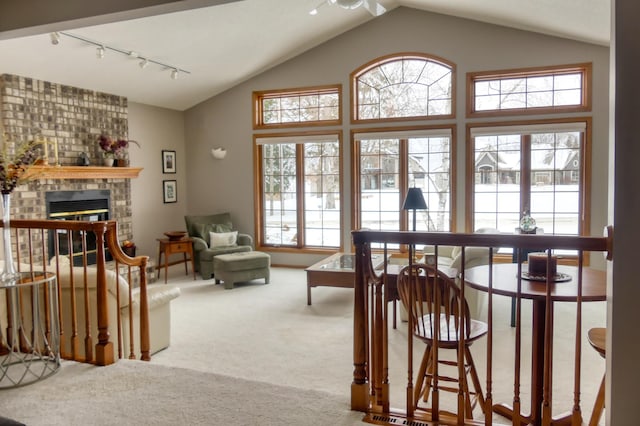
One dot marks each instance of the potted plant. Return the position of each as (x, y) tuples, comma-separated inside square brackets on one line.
[(114, 149)]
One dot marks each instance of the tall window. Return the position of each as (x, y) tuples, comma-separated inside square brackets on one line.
[(402, 87), (300, 204), (535, 168), (388, 163), (532, 90), (297, 107)]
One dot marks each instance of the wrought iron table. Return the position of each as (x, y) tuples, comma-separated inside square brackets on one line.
[(29, 332)]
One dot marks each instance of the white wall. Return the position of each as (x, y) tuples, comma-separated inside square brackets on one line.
[(623, 292), (155, 129), (226, 119)]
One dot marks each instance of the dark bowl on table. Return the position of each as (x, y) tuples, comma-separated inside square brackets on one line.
[(175, 235)]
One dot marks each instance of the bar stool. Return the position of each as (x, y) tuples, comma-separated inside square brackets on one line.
[(597, 339)]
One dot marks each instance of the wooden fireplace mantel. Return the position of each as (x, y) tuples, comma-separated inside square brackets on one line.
[(83, 172)]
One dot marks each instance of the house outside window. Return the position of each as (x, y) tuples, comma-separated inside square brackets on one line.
[(388, 163), (538, 168), (299, 199)]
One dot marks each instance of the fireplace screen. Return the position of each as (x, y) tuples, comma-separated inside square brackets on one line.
[(86, 206)]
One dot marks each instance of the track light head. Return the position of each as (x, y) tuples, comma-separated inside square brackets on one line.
[(101, 49), (55, 38)]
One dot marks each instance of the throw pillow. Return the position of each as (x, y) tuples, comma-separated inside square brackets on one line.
[(204, 230), (223, 239)]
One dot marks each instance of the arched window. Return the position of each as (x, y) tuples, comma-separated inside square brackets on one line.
[(403, 86)]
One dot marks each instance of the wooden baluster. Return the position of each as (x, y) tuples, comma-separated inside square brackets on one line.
[(104, 347), (132, 344), (517, 406), (73, 303), (463, 386), (88, 334), (377, 342), (548, 349), (435, 393), (384, 342), (145, 343), (47, 294), (488, 400), (56, 256), (576, 417), (412, 400)]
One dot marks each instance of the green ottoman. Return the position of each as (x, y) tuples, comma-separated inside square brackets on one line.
[(239, 267)]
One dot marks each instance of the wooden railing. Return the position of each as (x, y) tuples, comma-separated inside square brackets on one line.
[(375, 287), (87, 299)]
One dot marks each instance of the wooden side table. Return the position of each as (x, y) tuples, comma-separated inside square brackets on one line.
[(168, 247)]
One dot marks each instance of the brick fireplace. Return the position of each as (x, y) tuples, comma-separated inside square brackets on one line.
[(74, 118)]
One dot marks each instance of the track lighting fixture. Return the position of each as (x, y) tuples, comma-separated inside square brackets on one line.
[(55, 37), (101, 49)]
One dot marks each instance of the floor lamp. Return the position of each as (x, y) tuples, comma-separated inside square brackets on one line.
[(414, 201)]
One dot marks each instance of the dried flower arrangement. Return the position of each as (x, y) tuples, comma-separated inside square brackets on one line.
[(15, 163), (114, 147)]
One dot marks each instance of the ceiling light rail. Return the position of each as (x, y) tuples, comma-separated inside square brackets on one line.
[(101, 48)]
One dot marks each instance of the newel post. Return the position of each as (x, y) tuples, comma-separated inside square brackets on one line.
[(360, 385), (104, 347)]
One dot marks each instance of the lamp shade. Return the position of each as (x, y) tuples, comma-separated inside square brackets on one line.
[(414, 200)]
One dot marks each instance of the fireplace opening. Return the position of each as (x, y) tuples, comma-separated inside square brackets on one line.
[(89, 206)]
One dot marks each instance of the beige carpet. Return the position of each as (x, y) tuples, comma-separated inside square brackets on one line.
[(259, 355), (140, 393)]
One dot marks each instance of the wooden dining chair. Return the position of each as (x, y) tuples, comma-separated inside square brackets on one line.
[(597, 338), (422, 288)]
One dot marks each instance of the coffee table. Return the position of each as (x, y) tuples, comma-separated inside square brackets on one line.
[(337, 270)]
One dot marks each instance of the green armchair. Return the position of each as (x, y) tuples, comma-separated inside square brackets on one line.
[(213, 235)]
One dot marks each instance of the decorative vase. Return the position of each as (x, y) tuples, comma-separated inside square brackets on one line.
[(108, 161), (9, 274)]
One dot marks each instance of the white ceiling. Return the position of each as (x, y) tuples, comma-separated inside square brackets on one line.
[(225, 45)]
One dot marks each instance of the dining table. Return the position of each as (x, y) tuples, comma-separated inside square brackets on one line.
[(505, 282)]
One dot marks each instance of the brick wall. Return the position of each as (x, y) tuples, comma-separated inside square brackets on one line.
[(74, 118)]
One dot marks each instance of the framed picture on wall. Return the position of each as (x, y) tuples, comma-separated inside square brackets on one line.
[(169, 191), (168, 161)]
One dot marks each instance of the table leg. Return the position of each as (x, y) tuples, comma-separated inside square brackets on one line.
[(308, 294), (193, 264), (537, 370), (166, 266), (394, 313), (186, 263), (159, 261)]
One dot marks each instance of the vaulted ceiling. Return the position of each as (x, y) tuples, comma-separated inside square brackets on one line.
[(223, 45)]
